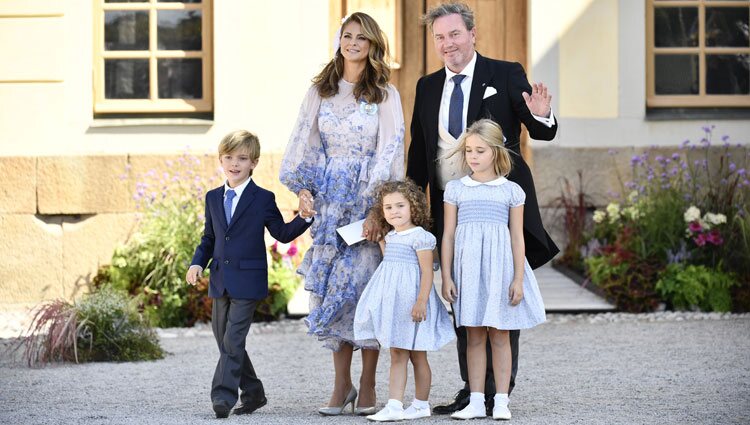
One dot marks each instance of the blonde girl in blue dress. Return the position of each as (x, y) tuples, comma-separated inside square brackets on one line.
[(485, 273), (400, 307)]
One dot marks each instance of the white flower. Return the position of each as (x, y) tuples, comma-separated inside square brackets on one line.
[(715, 218), (633, 196), (599, 216), (632, 212), (692, 214), (613, 210)]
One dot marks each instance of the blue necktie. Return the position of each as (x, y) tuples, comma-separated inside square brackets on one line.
[(228, 196), (456, 109)]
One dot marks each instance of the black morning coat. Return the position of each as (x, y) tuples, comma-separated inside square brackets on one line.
[(509, 110)]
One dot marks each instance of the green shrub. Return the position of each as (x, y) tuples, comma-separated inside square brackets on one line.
[(103, 326), (685, 286), (151, 266)]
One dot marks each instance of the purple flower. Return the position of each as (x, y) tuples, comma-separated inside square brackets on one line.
[(714, 237), (695, 226), (741, 172), (706, 129), (724, 138), (700, 240), (635, 160), (675, 156), (732, 166)]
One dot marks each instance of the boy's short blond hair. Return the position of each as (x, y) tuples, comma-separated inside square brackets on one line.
[(241, 140)]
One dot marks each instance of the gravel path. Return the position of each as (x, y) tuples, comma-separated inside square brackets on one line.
[(671, 368)]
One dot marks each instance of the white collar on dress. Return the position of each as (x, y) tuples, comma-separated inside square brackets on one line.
[(468, 181), (405, 232)]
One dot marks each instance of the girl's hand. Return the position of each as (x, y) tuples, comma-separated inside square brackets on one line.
[(419, 311), (449, 290), (516, 292)]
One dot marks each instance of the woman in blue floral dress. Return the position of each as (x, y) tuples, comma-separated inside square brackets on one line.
[(349, 137)]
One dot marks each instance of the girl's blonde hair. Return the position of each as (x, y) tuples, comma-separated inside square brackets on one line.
[(373, 83), (490, 133), (420, 210)]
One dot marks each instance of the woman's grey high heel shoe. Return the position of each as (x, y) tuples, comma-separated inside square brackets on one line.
[(365, 411), (337, 410)]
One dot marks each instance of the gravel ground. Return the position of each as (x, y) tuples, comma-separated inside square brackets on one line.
[(672, 368)]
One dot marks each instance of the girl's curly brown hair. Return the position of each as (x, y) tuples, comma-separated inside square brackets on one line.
[(420, 210)]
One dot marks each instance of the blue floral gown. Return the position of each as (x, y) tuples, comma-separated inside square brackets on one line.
[(340, 150)]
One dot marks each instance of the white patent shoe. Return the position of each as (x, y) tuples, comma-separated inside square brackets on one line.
[(387, 414), (470, 412), (412, 412), (501, 412)]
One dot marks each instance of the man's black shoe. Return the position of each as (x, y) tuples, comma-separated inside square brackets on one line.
[(489, 403), (222, 412), (251, 406), (459, 402)]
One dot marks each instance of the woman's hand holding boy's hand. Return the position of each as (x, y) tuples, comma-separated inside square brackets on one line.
[(193, 273), (306, 204), (419, 311), (516, 292), (449, 290)]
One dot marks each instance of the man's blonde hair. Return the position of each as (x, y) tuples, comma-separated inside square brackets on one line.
[(240, 140)]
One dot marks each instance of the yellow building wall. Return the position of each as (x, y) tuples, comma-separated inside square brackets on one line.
[(68, 178), (585, 33)]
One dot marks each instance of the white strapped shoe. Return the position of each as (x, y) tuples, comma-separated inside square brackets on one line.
[(413, 412), (470, 412), (387, 414), (501, 412)]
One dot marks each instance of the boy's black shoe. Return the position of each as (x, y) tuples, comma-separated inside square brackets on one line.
[(221, 412), (459, 402), (251, 406)]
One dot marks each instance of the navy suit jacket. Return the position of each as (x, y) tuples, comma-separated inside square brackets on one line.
[(508, 109), (237, 252)]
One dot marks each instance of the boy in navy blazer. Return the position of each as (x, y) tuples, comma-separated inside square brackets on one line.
[(236, 215)]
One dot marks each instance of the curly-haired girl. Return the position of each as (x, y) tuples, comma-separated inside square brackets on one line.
[(400, 307)]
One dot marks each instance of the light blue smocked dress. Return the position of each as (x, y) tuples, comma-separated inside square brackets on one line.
[(384, 310), (340, 150), (483, 260)]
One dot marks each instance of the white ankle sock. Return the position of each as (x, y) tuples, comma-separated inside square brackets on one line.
[(477, 399), (501, 399), (420, 404), (395, 404)]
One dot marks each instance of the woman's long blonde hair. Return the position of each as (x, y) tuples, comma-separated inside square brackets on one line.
[(373, 83)]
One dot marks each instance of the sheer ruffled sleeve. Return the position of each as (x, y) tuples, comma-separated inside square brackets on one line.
[(424, 241), (304, 161), (517, 195), (388, 163)]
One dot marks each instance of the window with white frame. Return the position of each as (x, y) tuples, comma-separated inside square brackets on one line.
[(152, 56), (698, 53)]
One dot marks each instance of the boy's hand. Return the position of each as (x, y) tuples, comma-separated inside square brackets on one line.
[(419, 311), (449, 290), (193, 273), (516, 292)]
